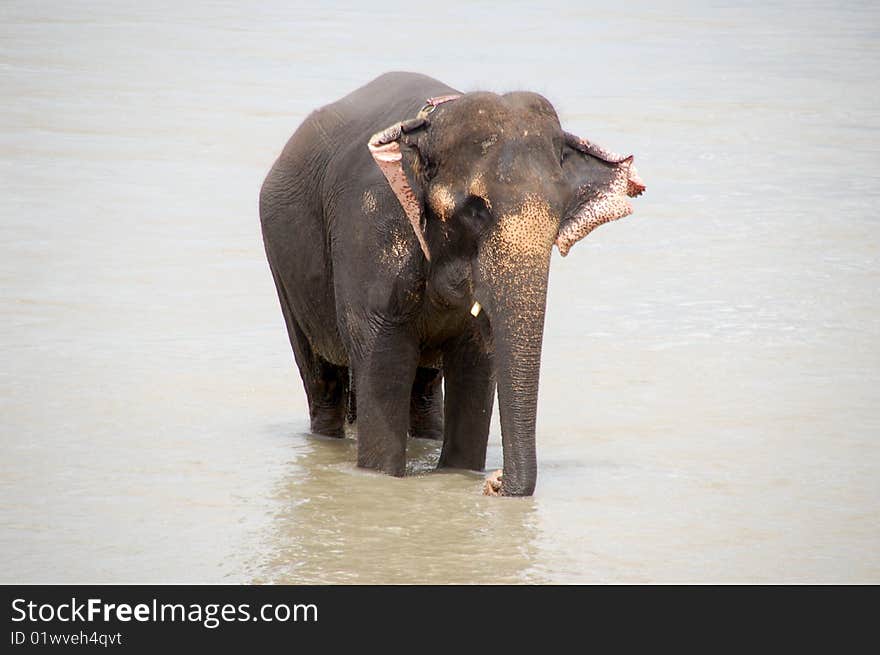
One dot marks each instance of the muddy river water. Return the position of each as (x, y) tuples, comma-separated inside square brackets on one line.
[(710, 392)]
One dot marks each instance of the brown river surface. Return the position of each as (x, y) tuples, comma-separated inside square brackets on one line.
[(710, 392)]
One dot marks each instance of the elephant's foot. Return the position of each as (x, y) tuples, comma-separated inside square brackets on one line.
[(328, 421), (327, 430), (492, 486), (328, 400), (393, 465)]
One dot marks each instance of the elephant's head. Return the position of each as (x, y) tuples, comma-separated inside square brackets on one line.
[(489, 184)]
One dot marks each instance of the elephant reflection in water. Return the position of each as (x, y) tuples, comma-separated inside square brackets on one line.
[(337, 524)]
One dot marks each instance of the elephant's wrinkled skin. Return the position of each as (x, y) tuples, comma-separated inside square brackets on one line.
[(497, 183)]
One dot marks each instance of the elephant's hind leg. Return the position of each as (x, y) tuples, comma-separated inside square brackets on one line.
[(326, 384), (326, 387), (327, 399), (426, 405)]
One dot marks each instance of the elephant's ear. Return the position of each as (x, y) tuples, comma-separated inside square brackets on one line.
[(385, 148), (601, 182)]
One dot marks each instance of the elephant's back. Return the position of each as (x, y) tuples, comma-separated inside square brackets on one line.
[(347, 124), (329, 148), (311, 201), (388, 98)]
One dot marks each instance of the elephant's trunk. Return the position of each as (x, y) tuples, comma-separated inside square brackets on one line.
[(518, 367), (514, 269)]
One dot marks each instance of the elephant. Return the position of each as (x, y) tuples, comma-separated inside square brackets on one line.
[(408, 228)]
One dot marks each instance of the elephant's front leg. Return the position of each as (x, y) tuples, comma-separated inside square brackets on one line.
[(470, 394), (384, 380)]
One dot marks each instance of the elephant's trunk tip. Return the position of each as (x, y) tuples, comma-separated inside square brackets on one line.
[(492, 485)]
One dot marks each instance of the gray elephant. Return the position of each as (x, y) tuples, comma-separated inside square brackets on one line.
[(409, 228)]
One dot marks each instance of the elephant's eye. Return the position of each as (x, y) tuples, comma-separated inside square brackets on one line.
[(475, 213)]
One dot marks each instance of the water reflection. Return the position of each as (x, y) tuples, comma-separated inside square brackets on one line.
[(341, 524)]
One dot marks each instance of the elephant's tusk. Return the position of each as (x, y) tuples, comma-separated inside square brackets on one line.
[(475, 310)]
